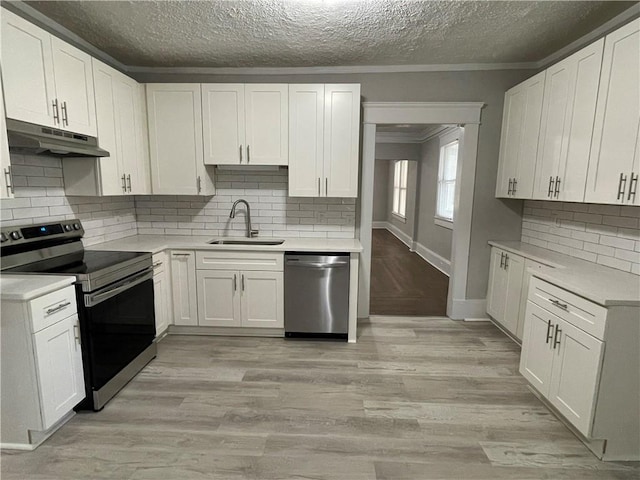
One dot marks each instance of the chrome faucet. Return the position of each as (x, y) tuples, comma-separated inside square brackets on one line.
[(250, 232)]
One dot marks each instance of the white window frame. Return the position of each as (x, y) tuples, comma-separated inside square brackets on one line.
[(398, 167), (446, 140)]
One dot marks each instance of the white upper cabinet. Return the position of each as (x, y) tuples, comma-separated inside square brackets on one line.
[(324, 140), (570, 94), (306, 140), (122, 131), (47, 81), (245, 124), (27, 71), (73, 76), (519, 139), (614, 165), (175, 140)]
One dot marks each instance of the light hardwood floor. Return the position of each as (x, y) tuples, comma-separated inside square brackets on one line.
[(415, 398)]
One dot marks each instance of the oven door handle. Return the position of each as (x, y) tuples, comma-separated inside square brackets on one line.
[(93, 299)]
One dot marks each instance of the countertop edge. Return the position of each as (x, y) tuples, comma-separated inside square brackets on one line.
[(56, 283)]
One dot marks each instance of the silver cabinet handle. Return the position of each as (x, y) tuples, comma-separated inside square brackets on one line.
[(157, 264), (319, 186), (248, 154), (633, 186), (326, 186), (56, 113), (9, 179), (556, 339), (501, 260), (235, 282), (62, 306), (549, 329), (240, 148), (199, 184), (622, 186), (550, 191), (509, 189), (243, 282), (124, 183), (506, 261), (563, 306), (76, 333), (557, 187), (129, 182), (181, 254), (65, 114), (515, 183)]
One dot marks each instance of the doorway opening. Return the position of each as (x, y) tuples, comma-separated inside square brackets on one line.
[(412, 228)]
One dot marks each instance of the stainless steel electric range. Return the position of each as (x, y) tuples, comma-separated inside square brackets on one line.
[(114, 291)]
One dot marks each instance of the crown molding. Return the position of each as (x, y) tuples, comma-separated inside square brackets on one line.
[(419, 137)]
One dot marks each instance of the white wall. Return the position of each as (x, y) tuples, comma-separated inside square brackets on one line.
[(40, 198), (429, 235)]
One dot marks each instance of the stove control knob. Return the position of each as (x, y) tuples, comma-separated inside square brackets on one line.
[(3, 237), (68, 228), (15, 235), (76, 226)]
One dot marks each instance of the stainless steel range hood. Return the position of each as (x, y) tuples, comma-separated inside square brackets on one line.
[(36, 139)]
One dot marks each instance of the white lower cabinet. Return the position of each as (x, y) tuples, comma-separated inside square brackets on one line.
[(240, 289), (42, 376), (596, 389), (161, 292), (183, 286)]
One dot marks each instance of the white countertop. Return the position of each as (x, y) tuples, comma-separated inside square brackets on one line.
[(158, 243), (603, 285), (25, 287)]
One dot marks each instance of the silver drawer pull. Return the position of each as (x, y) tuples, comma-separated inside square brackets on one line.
[(558, 304), (58, 308), (157, 264)]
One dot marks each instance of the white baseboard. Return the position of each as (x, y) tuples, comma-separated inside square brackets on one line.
[(379, 225), (433, 258), (463, 309), (400, 235)]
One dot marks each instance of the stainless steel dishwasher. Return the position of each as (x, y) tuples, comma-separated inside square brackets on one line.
[(316, 295)]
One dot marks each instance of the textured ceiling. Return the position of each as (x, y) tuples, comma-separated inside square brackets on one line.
[(299, 33)]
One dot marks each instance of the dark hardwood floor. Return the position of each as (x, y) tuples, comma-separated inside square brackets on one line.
[(402, 283)]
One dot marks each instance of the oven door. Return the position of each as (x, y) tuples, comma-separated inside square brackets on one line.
[(117, 324)]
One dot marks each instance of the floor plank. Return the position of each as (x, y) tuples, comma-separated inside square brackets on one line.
[(415, 399)]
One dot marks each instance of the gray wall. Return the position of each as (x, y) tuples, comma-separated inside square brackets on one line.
[(432, 236), (491, 218), (381, 191)]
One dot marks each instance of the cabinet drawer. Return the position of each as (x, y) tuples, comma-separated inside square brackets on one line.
[(576, 310), (159, 262), (52, 308), (240, 261)]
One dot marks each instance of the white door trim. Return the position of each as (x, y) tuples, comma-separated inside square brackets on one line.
[(466, 114)]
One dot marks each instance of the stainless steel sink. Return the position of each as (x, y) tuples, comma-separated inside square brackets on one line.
[(226, 241)]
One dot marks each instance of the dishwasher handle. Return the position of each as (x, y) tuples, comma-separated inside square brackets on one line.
[(296, 263)]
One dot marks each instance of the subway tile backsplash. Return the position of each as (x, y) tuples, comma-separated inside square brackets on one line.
[(604, 234), (40, 197), (272, 212)]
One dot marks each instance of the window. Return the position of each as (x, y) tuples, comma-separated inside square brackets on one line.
[(400, 188), (447, 180)]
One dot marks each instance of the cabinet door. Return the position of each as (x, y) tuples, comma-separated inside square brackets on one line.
[(617, 119), (262, 299), (576, 372), (514, 266), (267, 117), (536, 359), (160, 293), (60, 373), (6, 185), (183, 286), (497, 285), (74, 88), (341, 140), (519, 138), (127, 105), (218, 298), (570, 94), (111, 171), (306, 133), (175, 137), (223, 124), (524, 294), (27, 71)]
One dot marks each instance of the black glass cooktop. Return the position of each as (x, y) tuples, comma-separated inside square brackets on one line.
[(80, 263)]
